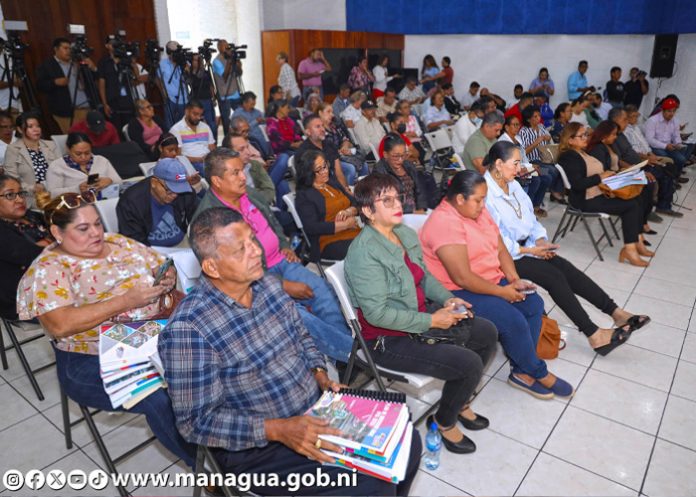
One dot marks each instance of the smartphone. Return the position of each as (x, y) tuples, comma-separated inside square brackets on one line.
[(162, 270), (531, 288), (462, 309), (92, 178)]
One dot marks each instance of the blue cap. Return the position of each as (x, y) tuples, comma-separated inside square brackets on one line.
[(174, 174)]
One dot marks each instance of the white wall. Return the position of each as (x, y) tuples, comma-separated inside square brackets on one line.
[(304, 14)]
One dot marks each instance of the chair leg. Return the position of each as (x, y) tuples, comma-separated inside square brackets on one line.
[(606, 233), (3, 355), (110, 467), (592, 238), (67, 427), (198, 469), (575, 222), (614, 221), (368, 358), (560, 225), (23, 359), (351, 362)]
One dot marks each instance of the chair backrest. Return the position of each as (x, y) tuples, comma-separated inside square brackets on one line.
[(564, 177), (386, 127), (459, 161), (291, 165), (439, 139), (415, 221), (264, 132), (353, 138), (107, 212), (124, 130), (147, 167), (337, 279), (60, 141), (374, 151), (289, 199)]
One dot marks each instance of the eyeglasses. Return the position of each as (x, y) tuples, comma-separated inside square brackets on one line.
[(583, 135), (164, 186), (397, 156), (322, 168), (72, 201), (390, 201), (148, 106), (11, 196)]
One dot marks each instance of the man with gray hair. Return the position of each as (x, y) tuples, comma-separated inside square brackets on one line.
[(479, 143), (242, 370)]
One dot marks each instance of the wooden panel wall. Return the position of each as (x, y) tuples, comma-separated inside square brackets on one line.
[(48, 19), (297, 43)]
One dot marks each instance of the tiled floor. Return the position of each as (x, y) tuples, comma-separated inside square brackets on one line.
[(629, 430)]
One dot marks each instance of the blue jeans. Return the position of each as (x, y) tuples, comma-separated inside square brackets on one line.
[(277, 174), (209, 116), (518, 324), (351, 173), (679, 156), (555, 182), (79, 378), (325, 322), (536, 189)]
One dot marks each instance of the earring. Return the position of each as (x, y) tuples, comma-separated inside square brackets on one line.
[(59, 241), (496, 174)]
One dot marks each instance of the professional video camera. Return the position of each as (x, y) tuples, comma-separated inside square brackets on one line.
[(13, 46), (182, 56), (79, 50), (205, 51), (153, 50), (235, 53), (123, 50)]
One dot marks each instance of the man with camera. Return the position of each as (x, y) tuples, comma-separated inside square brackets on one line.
[(636, 88), (227, 68), (117, 70), (58, 77), (172, 70), (202, 90)]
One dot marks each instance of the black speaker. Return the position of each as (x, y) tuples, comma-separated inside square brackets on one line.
[(664, 51)]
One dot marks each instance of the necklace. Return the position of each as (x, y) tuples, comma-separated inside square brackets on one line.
[(517, 209), (324, 188)]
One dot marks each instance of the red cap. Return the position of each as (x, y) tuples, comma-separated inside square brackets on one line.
[(670, 103)]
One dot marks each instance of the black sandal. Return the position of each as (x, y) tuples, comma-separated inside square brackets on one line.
[(649, 232), (619, 337), (636, 322)]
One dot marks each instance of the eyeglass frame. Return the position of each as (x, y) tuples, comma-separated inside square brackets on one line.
[(12, 196), (388, 201)]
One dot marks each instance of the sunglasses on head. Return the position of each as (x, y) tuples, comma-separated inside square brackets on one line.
[(73, 201)]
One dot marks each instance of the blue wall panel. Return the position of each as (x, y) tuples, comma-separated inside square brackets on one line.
[(522, 16)]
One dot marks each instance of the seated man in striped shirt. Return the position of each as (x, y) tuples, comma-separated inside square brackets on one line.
[(242, 369), (194, 136)]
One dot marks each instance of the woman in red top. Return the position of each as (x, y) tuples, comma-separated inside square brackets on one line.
[(283, 132)]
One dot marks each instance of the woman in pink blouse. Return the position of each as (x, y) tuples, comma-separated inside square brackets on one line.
[(283, 132), (86, 279)]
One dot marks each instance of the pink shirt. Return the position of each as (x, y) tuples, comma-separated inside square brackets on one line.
[(446, 226), (308, 65), (151, 133), (264, 234)]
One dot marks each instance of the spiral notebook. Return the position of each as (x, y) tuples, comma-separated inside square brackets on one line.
[(372, 423)]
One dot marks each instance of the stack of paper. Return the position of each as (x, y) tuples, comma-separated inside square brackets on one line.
[(629, 176), (376, 431), (128, 361)]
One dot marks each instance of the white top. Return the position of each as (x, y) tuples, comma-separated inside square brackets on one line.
[(524, 160), (381, 78), (433, 115), (287, 80), (468, 99), (193, 143), (350, 113), (3, 149), (411, 95), (61, 178), (462, 131), (369, 132), (637, 139), (579, 118), (603, 110), (504, 209)]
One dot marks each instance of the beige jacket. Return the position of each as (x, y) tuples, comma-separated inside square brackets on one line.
[(61, 178), (18, 162)]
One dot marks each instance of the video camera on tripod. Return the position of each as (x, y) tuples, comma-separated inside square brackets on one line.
[(182, 56), (124, 51), (79, 50), (233, 53), (12, 51)]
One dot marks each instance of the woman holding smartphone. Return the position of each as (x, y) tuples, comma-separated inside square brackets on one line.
[(80, 170), (536, 260)]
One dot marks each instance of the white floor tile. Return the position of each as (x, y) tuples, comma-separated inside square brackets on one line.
[(517, 414), (426, 484), (677, 293), (612, 278), (659, 338), (689, 350), (550, 476), (677, 273), (495, 455), (76, 460), (679, 422), (577, 348), (48, 381), (601, 446), (15, 407), (168, 491), (685, 381), (622, 401), (671, 471), (38, 353), (639, 365), (674, 315)]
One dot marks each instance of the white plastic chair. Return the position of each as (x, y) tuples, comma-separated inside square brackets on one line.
[(124, 130), (264, 132), (147, 167), (336, 277), (374, 151), (291, 166), (60, 141), (415, 221), (107, 213), (439, 140)]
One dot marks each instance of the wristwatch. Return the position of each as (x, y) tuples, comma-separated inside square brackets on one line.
[(318, 370)]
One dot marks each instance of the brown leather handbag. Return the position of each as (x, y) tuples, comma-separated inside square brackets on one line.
[(550, 341), (624, 193)]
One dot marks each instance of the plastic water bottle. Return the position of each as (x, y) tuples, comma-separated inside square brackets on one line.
[(433, 444)]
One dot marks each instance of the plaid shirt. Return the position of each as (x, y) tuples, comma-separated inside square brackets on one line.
[(229, 368)]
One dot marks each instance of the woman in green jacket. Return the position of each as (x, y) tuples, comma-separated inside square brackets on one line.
[(389, 284)]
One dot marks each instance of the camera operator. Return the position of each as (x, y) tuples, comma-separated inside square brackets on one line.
[(202, 90), (114, 88), (636, 87), (58, 78), (172, 70), (227, 68)]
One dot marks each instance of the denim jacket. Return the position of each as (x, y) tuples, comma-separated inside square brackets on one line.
[(381, 285)]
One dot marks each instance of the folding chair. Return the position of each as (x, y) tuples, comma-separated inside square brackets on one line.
[(289, 199), (147, 167), (107, 213), (441, 145), (375, 153), (203, 456), (17, 345), (360, 354), (264, 132), (572, 215), (415, 221)]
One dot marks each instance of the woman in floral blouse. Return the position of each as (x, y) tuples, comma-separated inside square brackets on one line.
[(86, 279)]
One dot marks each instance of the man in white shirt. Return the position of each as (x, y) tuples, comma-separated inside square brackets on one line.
[(466, 126), (601, 107), (386, 104), (194, 136), (471, 96), (412, 93), (352, 114), (368, 130)]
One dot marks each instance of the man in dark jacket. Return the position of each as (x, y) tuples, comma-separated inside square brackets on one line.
[(158, 210), (59, 78)]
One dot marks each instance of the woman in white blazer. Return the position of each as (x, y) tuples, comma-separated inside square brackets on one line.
[(71, 173)]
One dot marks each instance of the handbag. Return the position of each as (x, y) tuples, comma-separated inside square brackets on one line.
[(457, 334), (550, 341), (624, 193)]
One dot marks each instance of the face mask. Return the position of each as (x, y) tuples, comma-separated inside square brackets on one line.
[(477, 121), (401, 128)]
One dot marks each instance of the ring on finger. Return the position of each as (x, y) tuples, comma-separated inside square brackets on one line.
[(317, 444)]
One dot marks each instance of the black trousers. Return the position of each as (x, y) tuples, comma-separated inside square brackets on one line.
[(665, 187), (279, 459), (646, 200), (630, 211), (460, 366), (564, 281), (336, 251)]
